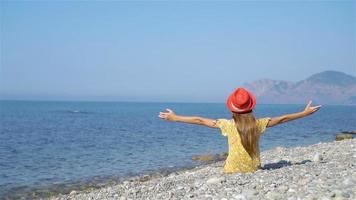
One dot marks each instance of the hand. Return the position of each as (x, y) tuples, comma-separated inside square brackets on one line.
[(169, 115), (311, 109)]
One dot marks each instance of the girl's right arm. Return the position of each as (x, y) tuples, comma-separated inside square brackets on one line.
[(286, 118), (170, 115)]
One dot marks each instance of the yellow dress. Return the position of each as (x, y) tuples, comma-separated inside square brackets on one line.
[(238, 159)]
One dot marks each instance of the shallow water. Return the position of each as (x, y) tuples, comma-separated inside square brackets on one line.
[(46, 143)]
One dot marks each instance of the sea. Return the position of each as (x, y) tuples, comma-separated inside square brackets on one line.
[(55, 146)]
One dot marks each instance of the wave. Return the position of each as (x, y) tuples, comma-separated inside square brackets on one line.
[(78, 112)]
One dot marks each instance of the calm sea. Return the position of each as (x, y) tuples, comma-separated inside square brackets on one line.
[(48, 143)]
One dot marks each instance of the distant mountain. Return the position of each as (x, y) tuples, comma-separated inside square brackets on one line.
[(328, 87)]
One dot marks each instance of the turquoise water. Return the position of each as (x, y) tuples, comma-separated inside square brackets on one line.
[(46, 143)]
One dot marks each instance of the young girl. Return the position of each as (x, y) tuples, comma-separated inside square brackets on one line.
[(243, 130)]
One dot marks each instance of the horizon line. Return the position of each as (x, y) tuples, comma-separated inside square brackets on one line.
[(153, 102)]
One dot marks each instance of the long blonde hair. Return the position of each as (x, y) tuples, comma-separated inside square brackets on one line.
[(247, 128)]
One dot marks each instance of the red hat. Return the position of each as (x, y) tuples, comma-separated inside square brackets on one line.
[(241, 101)]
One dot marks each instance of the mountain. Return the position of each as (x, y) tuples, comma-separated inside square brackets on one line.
[(328, 87)]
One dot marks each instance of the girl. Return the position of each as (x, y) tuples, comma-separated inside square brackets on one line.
[(243, 130)]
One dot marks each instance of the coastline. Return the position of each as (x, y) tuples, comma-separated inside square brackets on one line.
[(319, 171)]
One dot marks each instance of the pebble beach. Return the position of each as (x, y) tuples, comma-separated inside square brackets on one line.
[(320, 171)]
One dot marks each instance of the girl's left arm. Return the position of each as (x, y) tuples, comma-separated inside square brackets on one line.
[(170, 115)]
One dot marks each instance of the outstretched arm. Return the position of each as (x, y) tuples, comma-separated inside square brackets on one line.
[(172, 116), (286, 118)]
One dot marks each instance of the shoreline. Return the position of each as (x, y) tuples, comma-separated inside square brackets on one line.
[(318, 171), (96, 182)]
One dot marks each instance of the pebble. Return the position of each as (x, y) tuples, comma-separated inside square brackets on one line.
[(347, 182), (273, 195), (239, 197), (283, 188), (216, 180), (317, 157), (295, 178), (180, 188), (250, 193)]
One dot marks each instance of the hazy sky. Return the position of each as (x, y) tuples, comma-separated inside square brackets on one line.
[(167, 51)]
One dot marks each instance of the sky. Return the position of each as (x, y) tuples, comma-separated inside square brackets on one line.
[(167, 51)]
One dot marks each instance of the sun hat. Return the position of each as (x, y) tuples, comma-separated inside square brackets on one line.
[(241, 101)]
